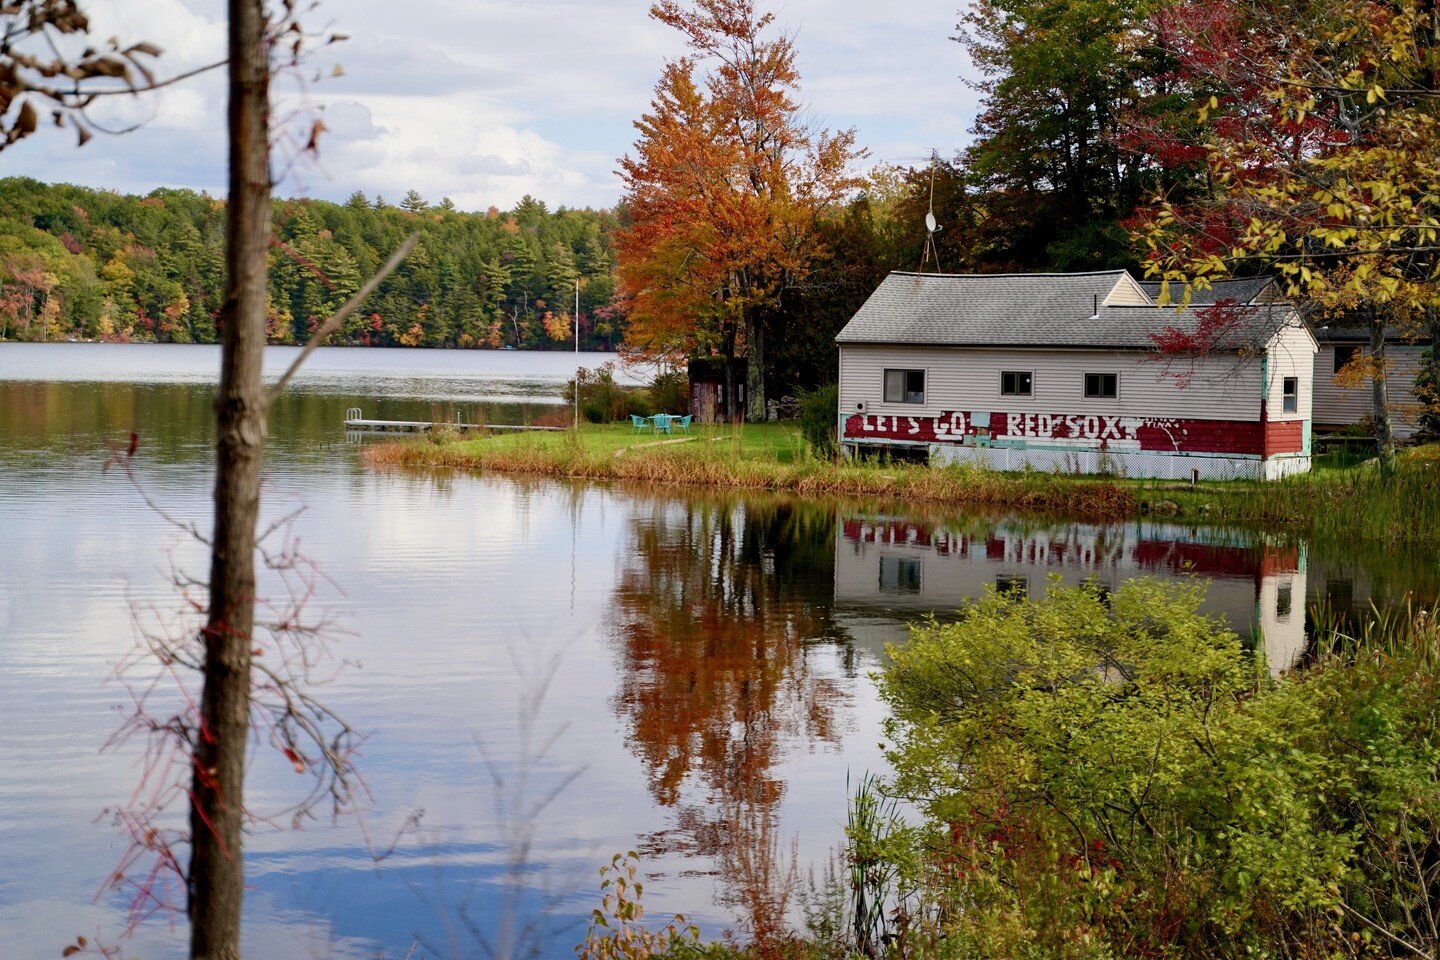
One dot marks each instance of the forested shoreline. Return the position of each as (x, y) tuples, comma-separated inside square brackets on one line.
[(79, 263)]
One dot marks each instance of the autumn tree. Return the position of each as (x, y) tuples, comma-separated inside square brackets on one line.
[(723, 190), (1319, 136)]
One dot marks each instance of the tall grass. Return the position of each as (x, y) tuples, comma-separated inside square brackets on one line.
[(1403, 632), (1356, 504), (721, 464)]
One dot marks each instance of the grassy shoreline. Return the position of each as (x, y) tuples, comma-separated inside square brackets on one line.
[(1353, 502)]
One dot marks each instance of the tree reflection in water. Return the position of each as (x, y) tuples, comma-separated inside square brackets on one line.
[(720, 607)]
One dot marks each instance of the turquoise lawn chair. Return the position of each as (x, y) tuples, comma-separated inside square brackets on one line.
[(683, 422), (662, 422), (640, 424)]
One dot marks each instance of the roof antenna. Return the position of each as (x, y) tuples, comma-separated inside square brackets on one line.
[(932, 227)]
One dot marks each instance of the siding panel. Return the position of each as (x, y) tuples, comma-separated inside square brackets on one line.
[(969, 379), (1337, 406), (1292, 354)]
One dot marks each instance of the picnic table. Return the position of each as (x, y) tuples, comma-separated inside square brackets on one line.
[(661, 423)]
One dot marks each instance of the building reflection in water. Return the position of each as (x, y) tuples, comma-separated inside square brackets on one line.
[(745, 626), (887, 565)]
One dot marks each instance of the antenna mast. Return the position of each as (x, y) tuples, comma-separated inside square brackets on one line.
[(932, 227)]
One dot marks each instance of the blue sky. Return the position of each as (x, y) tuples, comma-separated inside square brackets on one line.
[(487, 100)]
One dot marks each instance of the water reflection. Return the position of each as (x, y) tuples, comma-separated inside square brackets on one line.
[(720, 608), (714, 682)]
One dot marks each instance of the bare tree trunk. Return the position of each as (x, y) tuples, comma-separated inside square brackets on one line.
[(1380, 395), (754, 370), (217, 808)]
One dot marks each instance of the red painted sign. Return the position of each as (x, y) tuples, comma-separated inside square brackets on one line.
[(1082, 431), (1105, 551)]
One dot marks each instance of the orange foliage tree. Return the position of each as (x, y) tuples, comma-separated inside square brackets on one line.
[(723, 192)]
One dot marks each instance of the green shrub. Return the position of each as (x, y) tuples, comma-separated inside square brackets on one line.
[(602, 400), (819, 410), (670, 392), (1112, 776)]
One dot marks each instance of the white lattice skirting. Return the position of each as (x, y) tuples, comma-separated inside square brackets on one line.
[(1148, 464)]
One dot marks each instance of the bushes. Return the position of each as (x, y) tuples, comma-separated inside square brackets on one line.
[(670, 392), (819, 410), (1111, 776), (602, 400)]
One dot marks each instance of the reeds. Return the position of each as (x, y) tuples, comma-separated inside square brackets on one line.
[(722, 465), (1403, 632), (1355, 504)]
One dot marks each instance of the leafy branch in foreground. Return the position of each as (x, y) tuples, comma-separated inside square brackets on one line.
[(616, 931), (42, 70)]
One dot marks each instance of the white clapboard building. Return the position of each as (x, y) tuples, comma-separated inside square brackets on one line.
[(1064, 372)]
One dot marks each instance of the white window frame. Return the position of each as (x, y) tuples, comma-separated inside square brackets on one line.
[(1289, 402), (924, 385)]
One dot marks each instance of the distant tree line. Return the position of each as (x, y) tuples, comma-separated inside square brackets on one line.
[(91, 264)]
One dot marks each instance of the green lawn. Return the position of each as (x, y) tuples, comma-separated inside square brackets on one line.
[(777, 442)]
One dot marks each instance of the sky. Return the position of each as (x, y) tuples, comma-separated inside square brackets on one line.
[(485, 101)]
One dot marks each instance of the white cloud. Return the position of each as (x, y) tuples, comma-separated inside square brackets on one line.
[(487, 100)]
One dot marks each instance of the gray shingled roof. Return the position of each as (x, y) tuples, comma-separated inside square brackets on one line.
[(1329, 334), (1030, 310), (1241, 290)]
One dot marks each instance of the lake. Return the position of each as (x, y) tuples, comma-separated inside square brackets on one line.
[(547, 673)]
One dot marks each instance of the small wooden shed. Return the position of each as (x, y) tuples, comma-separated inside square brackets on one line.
[(709, 389)]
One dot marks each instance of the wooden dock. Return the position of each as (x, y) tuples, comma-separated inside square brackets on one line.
[(354, 420)]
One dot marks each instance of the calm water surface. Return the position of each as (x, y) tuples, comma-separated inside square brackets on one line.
[(685, 675)]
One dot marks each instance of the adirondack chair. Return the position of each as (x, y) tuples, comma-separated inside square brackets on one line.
[(683, 422), (640, 424)]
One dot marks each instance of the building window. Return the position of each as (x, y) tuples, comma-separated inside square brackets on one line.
[(1102, 386), (1290, 394), (1344, 355), (904, 386), (1016, 383), (1284, 600), (899, 575), (1015, 587)]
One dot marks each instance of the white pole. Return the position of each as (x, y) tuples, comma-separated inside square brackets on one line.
[(577, 353)]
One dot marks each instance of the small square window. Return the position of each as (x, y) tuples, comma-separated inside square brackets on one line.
[(900, 575), (1016, 383), (1102, 386), (904, 386), (1290, 394), (1344, 355)]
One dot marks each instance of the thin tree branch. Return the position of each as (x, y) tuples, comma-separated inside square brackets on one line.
[(338, 317)]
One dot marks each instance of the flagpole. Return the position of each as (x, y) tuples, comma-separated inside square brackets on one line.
[(577, 353)]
